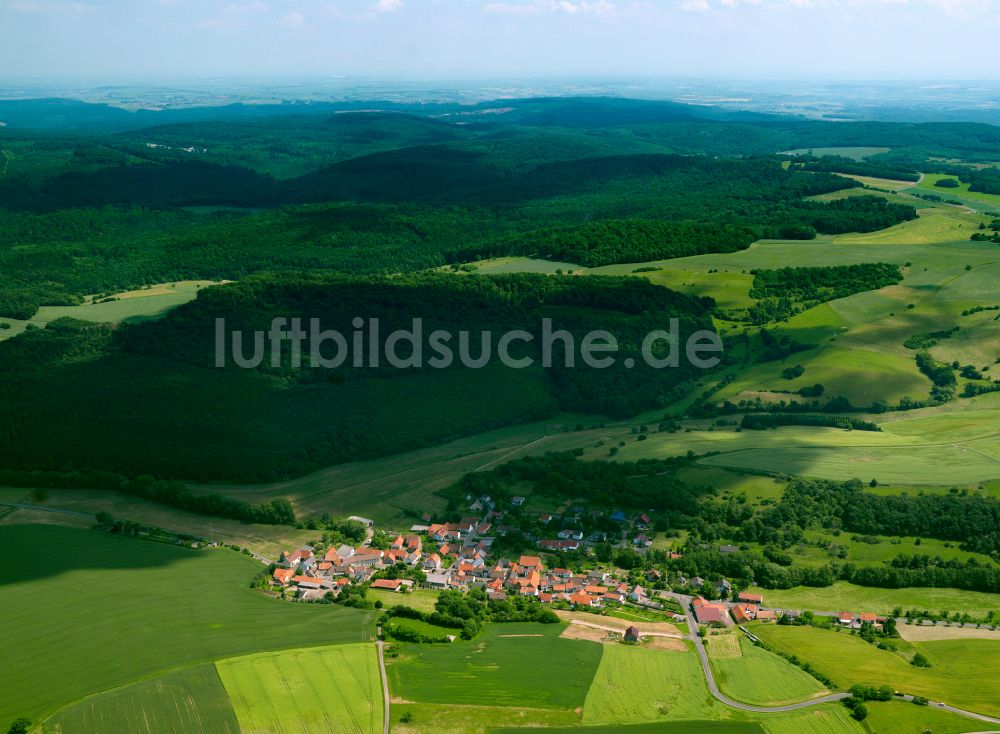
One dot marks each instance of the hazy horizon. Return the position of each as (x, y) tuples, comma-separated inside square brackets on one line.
[(185, 40)]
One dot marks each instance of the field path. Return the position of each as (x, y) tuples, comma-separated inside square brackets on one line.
[(385, 686), (515, 451)]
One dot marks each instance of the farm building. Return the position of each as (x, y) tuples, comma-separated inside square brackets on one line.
[(707, 612), (392, 584), (632, 634), (283, 575)]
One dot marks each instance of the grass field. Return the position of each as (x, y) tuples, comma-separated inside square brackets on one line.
[(826, 719), (961, 192), (844, 596), (862, 376), (820, 548), (762, 678), (663, 727), (421, 599), (429, 718), (635, 684), (829, 453), (937, 465), (189, 700), (934, 225), (268, 540), (730, 290), (530, 672), (855, 153), (303, 691), (95, 611), (895, 198), (132, 306), (897, 717), (963, 672)]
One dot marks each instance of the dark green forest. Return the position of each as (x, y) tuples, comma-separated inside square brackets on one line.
[(156, 403)]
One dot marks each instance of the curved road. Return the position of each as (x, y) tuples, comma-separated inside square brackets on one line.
[(719, 696), (713, 688)]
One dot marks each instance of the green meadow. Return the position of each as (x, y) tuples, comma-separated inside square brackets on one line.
[(961, 192), (130, 307), (730, 290), (843, 596), (898, 717), (420, 599), (821, 547), (96, 611), (938, 224), (841, 371), (828, 718), (963, 673)]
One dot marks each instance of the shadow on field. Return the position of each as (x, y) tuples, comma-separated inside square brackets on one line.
[(33, 552)]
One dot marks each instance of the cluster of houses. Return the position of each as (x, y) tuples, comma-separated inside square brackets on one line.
[(314, 576), (528, 576), (459, 558)]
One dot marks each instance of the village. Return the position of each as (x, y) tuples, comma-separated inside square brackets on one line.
[(459, 556)]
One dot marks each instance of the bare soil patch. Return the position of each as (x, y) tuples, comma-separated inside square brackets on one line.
[(618, 624), (929, 633)]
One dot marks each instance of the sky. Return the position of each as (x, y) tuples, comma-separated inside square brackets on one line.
[(466, 39)]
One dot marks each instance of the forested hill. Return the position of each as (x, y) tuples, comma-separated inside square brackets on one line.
[(147, 398), (98, 228)]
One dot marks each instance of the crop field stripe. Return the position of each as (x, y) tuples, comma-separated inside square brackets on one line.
[(189, 700), (635, 684), (305, 690), (540, 671)]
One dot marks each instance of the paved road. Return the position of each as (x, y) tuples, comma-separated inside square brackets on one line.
[(385, 684)]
